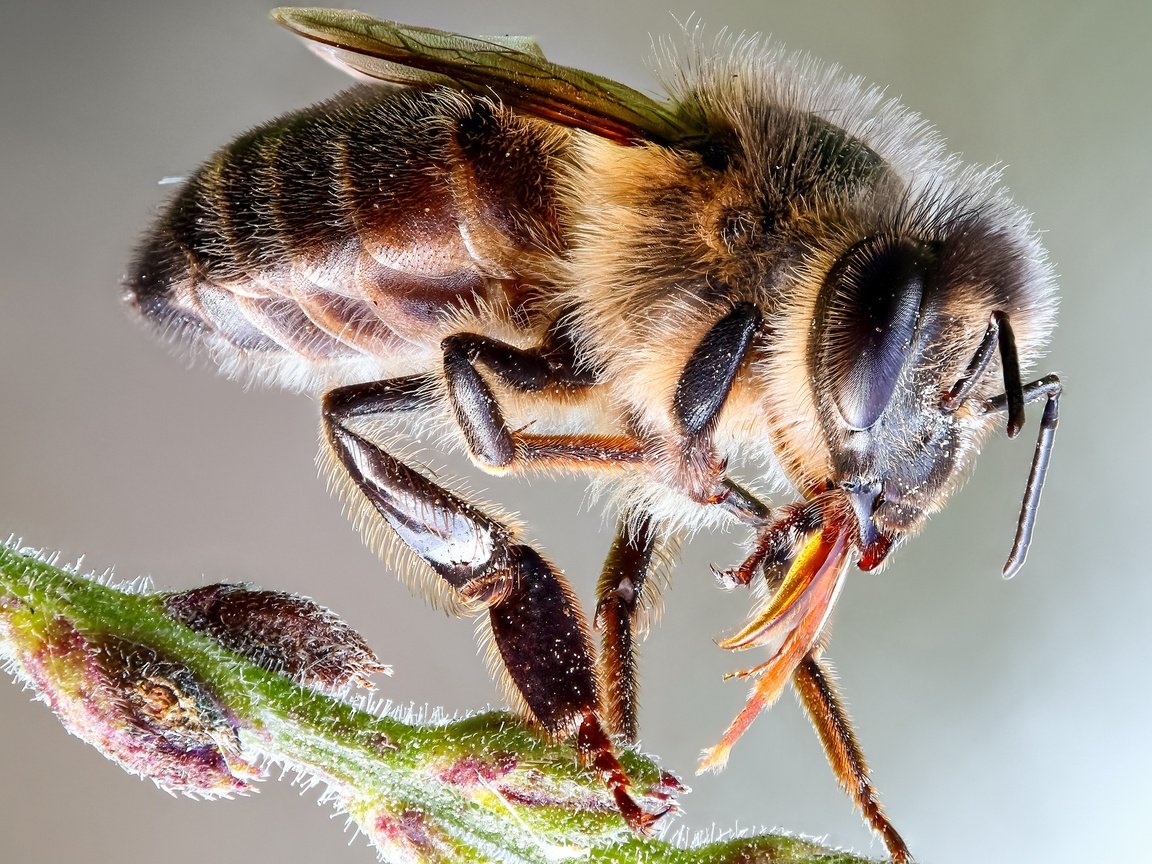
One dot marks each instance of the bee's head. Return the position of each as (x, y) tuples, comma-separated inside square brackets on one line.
[(902, 348)]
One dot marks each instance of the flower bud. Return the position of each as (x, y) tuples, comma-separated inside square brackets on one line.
[(284, 633), (150, 714)]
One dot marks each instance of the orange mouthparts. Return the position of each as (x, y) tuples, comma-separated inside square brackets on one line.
[(789, 626)]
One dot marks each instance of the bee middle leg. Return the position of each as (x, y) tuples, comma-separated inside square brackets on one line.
[(701, 392), (536, 622), (620, 594), (555, 362), (492, 444)]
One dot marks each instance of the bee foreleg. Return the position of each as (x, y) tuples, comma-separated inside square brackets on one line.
[(814, 683), (776, 543), (619, 594), (701, 392), (707, 377), (744, 505), (536, 622)]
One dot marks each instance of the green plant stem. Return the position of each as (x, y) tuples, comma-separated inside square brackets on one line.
[(483, 788)]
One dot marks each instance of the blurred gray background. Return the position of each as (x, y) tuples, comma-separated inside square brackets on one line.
[(1005, 721)]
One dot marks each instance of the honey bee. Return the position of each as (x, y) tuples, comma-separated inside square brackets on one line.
[(775, 269)]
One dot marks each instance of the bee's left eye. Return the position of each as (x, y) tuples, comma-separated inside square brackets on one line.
[(868, 314)]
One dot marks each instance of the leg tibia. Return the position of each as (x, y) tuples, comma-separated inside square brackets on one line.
[(619, 595), (543, 640)]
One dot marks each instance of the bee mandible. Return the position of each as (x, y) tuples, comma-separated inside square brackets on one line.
[(774, 269)]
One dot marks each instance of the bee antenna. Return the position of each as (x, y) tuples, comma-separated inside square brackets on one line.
[(1051, 388), (1012, 400), (999, 334)]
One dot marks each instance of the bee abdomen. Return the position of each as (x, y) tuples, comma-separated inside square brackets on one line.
[(353, 229)]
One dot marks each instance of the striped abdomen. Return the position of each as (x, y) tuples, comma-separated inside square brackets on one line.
[(343, 239)]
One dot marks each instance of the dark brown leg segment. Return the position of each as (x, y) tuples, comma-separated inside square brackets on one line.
[(701, 392), (711, 371), (776, 544), (619, 595), (554, 364), (496, 447), (813, 681), (536, 622)]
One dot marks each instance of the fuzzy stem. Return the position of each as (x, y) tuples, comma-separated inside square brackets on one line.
[(483, 788)]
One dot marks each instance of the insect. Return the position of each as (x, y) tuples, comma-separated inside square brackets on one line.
[(775, 269)]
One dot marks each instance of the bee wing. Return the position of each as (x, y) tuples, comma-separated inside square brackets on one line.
[(512, 68), (374, 70)]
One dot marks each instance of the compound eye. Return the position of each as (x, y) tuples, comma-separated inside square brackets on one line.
[(867, 322)]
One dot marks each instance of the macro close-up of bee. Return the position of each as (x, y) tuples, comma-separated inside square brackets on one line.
[(660, 389), (775, 267)]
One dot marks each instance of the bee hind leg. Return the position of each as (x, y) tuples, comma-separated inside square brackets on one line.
[(536, 622)]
